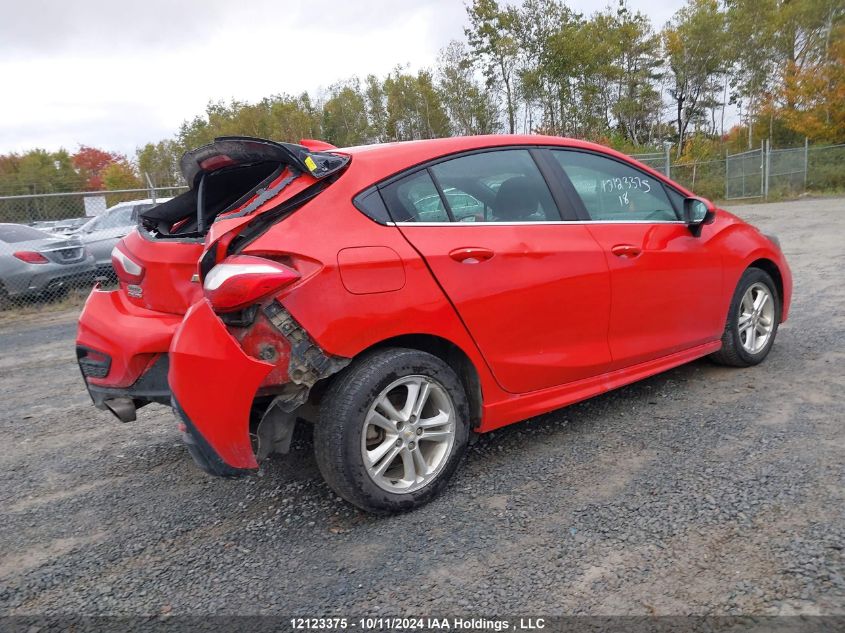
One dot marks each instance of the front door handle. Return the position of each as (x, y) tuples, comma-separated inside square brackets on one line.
[(471, 254), (626, 250)]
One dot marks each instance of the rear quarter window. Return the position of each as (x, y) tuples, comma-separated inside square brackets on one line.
[(370, 203)]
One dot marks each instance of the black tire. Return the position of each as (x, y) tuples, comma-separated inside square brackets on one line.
[(733, 353), (343, 410)]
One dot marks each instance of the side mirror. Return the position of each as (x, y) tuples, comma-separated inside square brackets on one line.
[(697, 211)]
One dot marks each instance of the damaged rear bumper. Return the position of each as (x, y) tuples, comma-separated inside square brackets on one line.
[(203, 454), (214, 383), (215, 379), (125, 401), (122, 353)]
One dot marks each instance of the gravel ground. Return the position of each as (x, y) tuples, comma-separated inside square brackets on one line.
[(704, 490)]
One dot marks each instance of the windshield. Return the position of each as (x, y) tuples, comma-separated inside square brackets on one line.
[(114, 218)]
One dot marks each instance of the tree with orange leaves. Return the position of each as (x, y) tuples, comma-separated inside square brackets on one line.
[(90, 162), (817, 95)]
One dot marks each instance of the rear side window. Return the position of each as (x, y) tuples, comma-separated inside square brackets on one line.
[(496, 186), (414, 198), (613, 191)]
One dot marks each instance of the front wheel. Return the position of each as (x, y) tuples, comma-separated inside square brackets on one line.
[(752, 321), (392, 430)]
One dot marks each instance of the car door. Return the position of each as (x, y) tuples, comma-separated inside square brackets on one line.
[(532, 290), (665, 282)]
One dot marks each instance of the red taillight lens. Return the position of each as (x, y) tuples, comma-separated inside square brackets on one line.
[(241, 280), (126, 268), (31, 257)]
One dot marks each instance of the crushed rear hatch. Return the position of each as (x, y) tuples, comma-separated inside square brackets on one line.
[(234, 177), (239, 186)]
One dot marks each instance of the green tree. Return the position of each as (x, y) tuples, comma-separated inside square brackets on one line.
[(39, 171), (120, 175), (636, 102), (694, 42), (414, 108), (376, 108), (280, 117), (294, 118), (490, 36), (345, 120), (471, 110), (544, 71), (160, 162)]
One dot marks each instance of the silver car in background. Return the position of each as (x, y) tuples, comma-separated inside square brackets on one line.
[(100, 234), (36, 264)]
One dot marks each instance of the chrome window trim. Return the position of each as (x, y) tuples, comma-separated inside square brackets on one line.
[(545, 222)]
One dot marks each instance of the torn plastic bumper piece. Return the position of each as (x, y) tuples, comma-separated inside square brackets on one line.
[(201, 451), (214, 382)]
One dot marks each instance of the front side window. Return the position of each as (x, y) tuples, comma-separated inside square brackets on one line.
[(613, 191), (496, 186)]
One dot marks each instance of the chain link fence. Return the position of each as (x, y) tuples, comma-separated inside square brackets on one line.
[(54, 247), (659, 161), (745, 175)]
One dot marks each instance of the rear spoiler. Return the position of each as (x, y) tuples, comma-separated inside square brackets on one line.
[(227, 151)]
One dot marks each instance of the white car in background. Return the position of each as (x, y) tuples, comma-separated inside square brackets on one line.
[(100, 234)]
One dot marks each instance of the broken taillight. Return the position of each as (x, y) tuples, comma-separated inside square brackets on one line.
[(126, 268), (242, 280)]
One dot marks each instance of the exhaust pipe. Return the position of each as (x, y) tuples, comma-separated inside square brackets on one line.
[(123, 408)]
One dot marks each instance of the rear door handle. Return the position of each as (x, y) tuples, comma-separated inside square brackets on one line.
[(625, 250), (471, 254)]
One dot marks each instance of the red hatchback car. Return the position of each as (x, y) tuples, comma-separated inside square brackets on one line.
[(402, 296)]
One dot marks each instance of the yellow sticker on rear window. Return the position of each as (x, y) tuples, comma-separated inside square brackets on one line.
[(309, 162)]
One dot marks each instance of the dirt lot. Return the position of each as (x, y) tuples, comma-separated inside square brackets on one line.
[(704, 490)]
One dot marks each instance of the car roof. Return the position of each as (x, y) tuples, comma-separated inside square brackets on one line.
[(382, 160)]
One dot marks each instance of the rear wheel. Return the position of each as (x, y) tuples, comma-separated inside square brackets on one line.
[(392, 430), (752, 321)]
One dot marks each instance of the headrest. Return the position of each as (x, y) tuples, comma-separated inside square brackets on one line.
[(516, 199)]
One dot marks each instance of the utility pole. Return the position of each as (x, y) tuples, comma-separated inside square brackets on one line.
[(150, 185)]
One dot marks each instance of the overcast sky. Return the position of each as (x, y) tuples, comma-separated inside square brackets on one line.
[(116, 74)]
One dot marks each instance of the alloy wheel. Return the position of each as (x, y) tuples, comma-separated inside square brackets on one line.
[(756, 318), (408, 434)]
